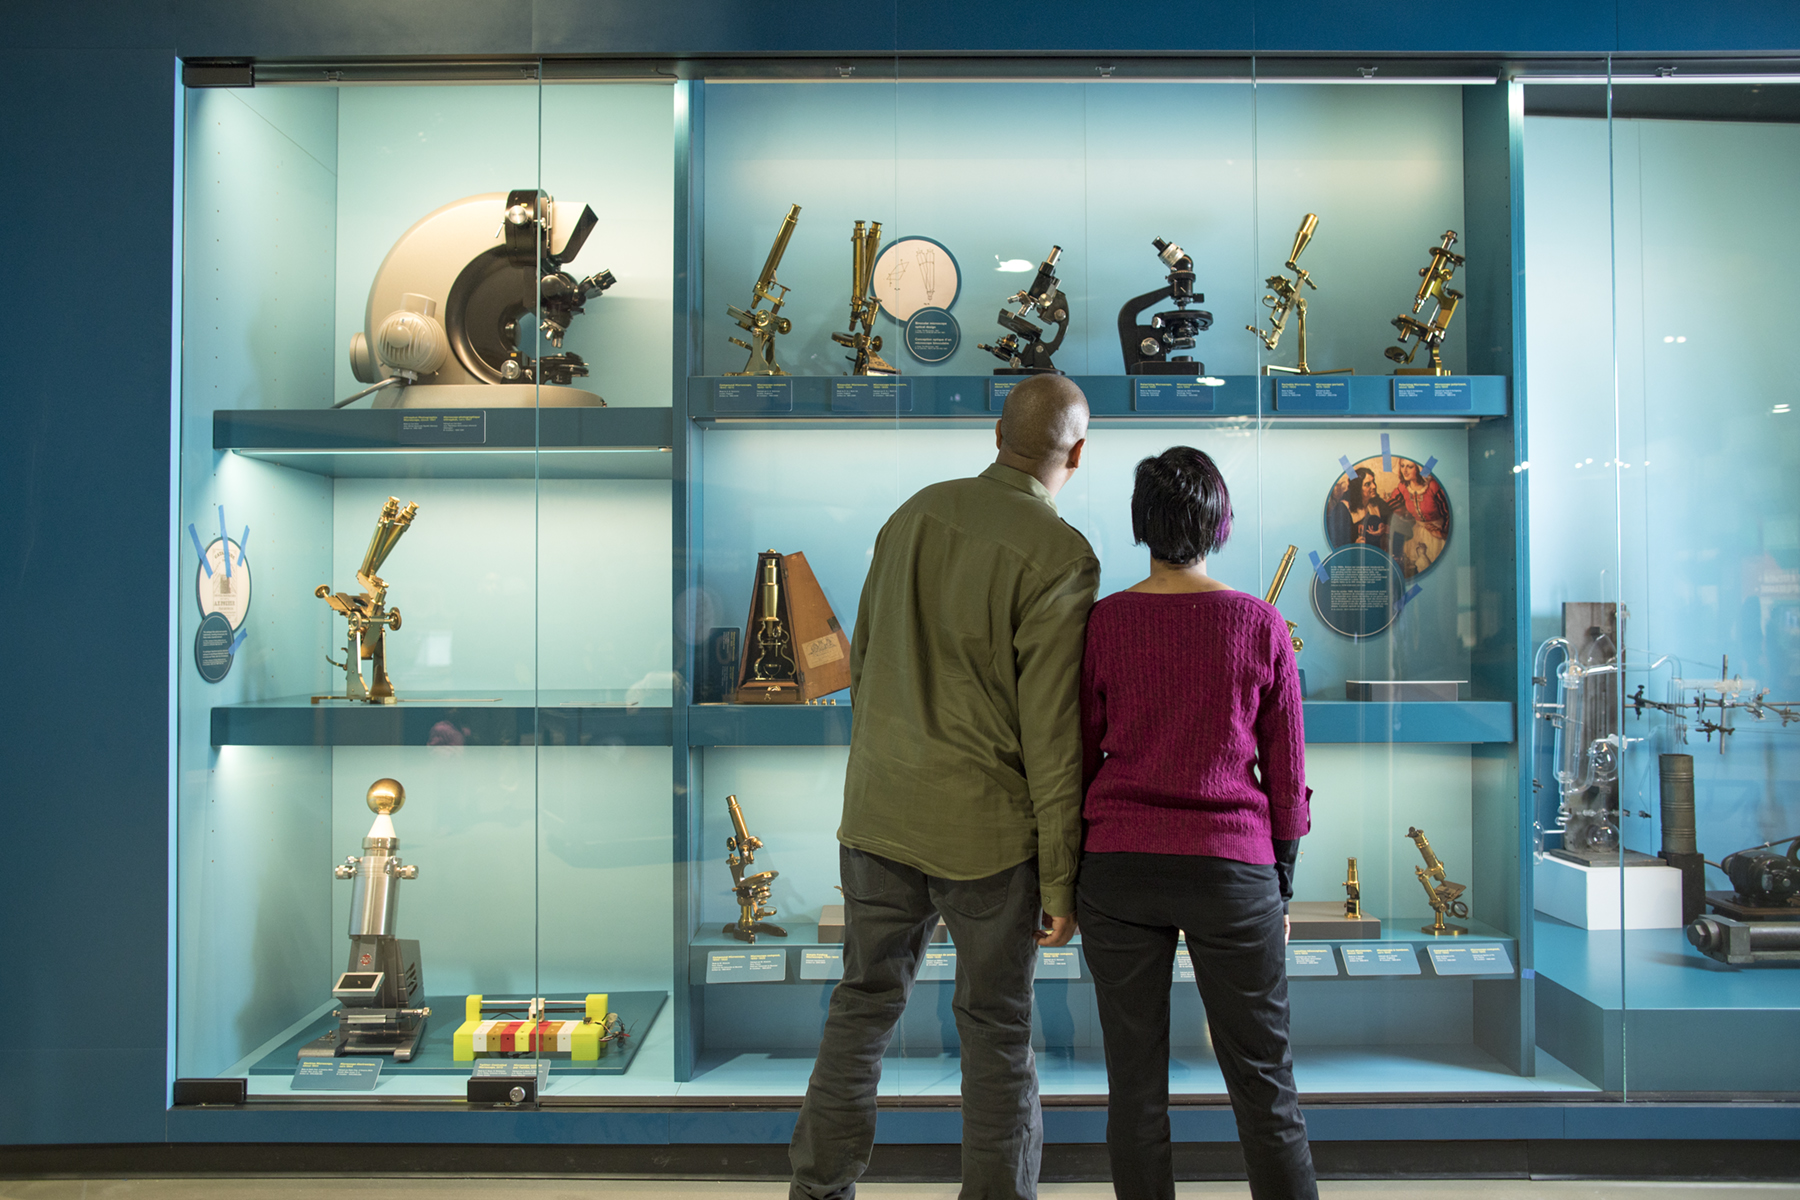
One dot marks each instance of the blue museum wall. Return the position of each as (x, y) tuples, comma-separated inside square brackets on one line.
[(84, 555)]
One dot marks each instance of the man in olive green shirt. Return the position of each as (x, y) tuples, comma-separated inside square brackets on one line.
[(962, 797)]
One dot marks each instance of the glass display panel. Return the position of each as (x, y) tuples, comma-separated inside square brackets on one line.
[(1658, 972)]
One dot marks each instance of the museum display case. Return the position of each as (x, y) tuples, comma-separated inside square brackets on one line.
[(607, 375)]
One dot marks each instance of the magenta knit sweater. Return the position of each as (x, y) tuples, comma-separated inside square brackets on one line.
[(1193, 740)]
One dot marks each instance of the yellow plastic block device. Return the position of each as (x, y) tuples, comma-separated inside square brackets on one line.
[(580, 1040)]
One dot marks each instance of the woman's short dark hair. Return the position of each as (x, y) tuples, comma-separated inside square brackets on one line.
[(1180, 507)]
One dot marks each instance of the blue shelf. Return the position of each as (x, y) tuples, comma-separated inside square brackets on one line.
[(1327, 721), (475, 719), (521, 443), (936, 397)]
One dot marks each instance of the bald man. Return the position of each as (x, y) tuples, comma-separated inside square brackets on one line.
[(962, 797)]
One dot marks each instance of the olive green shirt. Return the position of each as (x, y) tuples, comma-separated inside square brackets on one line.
[(965, 668)]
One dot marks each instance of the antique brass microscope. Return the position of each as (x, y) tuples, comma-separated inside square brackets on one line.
[(370, 618), (772, 672), (1352, 893), (1274, 593), (864, 245), (762, 324), (1147, 347), (384, 977), (1434, 286), (1285, 297), (1445, 896), (752, 891), (1023, 349)]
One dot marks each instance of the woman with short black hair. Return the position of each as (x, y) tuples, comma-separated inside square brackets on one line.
[(1196, 799)]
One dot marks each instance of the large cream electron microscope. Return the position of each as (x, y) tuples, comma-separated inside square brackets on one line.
[(442, 328)]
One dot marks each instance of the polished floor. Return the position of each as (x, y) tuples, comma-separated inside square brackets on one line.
[(595, 1189)]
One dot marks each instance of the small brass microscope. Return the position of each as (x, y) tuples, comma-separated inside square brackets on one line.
[(752, 891), (370, 618)]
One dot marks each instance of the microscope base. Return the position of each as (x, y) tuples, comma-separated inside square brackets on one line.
[(340, 1044), (749, 935), (487, 395), (1423, 371), (1298, 371), (1026, 371), (1167, 368)]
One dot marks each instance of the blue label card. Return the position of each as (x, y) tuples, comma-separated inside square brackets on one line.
[(998, 387), (1058, 964), (1311, 958), (1480, 958), (932, 335), (871, 394), (336, 1074), (826, 963), (513, 1068), (1312, 395), (754, 395), (746, 966), (1169, 395), (1436, 393), (443, 428), (1381, 958), (939, 964)]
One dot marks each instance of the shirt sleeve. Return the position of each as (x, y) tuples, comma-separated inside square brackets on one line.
[(1048, 645), (1281, 742), (1093, 714)]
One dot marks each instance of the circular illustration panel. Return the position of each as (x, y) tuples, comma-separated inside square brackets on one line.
[(212, 647), (914, 273), (222, 591), (1396, 508), (1356, 591), (932, 335)]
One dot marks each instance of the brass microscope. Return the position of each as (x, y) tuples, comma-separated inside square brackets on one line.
[(1023, 349), (377, 990), (370, 618), (762, 324), (1286, 297), (865, 243), (1444, 896), (1434, 286), (1274, 594), (752, 891)]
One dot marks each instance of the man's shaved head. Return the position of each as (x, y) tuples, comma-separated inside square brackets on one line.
[(1043, 419)]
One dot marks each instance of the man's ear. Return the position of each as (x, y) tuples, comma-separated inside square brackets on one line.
[(1075, 454), (997, 442)]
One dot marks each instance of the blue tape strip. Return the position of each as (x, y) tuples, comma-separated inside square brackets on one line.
[(1429, 463), (238, 640), (1387, 456), (1318, 567), (226, 540), (1348, 469), (1406, 597), (242, 543), (204, 565)]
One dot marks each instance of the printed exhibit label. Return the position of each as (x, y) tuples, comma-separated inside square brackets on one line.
[(1438, 393), (1164, 394), (1312, 395), (1479, 958), (1311, 958), (822, 964), (513, 1068), (867, 394), (1381, 958), (999, 386), (938, 964), (753, 395), (746, 966), (443, 428), (932, 335), (336, 1074), (1058, 964)]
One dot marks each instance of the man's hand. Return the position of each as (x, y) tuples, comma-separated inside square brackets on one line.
[(1058, 931), (1287, 929)]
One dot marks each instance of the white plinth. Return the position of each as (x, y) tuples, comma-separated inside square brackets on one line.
[(1592, 897)]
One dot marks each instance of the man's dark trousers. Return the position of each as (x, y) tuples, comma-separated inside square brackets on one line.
[(1130, 908), (890, 911)]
